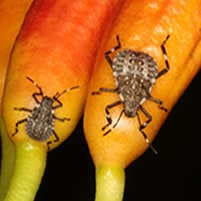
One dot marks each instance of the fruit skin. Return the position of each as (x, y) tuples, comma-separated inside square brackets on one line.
[(141, 26), (143, 31), (56, 48), (12, 14), (10, 27)]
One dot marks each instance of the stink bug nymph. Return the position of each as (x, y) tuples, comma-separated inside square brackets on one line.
[(40, 122), (135, 73)]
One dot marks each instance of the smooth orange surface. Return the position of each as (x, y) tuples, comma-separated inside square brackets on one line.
[(12, 15), (56, 48), (143, 26)]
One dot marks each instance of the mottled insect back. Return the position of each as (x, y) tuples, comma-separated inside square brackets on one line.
[(135, 73), (40, 122)]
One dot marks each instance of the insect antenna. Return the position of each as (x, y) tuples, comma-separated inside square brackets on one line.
[(57, 95), (34, 83)]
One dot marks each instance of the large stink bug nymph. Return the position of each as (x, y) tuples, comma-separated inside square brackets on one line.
[(40, 122), (135, 73)]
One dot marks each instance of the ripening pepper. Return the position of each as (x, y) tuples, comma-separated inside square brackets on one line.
[(12, 14), (142, 26), (54, 51)]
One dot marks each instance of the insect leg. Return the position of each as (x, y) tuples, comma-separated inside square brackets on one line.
[(40, 93), (159, 102), (55, 98), (57, 95), (166, 69), (120, 115), (107, 57), (144, 125), (102, 89), (23, 109), (55, 140), (149, 118), (17, 124), (108, 116), (61, 119)]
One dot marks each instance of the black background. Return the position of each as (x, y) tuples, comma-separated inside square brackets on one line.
[(173, 175)]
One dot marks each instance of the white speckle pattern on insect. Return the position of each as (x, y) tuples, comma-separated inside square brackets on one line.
[(135, 73), (40, 123)]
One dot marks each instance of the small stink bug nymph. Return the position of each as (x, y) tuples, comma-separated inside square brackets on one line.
[(135, 73), (40, 122)]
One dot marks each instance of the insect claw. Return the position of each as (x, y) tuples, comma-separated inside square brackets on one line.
[(48, 145), (106, 133), (96, 93), (151, 146), (153, 149), (14, 134), (104, 127), (163, 108)]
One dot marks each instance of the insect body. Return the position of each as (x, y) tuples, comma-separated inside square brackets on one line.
[(134, 73), (40, 122)]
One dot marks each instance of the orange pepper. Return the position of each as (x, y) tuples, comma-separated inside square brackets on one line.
[(10, 27), (55, 49), (12, 14), (142, 26)]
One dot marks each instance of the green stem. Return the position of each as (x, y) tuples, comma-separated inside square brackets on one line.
[(7, 162), (110, 183), (28, 171)]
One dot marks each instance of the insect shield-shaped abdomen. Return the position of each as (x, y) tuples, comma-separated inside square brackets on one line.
[(40, 123), (129, 62), (135, 73)]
